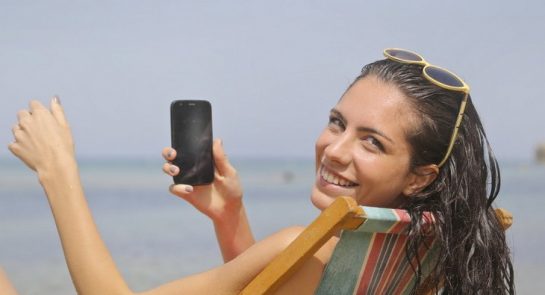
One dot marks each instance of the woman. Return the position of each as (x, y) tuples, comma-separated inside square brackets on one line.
[(403, 135)]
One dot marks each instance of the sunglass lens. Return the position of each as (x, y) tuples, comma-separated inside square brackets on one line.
[(443, 76), (403, 55)]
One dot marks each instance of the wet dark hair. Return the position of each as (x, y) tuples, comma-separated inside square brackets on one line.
[(473, 254)]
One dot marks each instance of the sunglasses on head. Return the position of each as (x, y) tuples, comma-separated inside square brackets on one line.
[(438, 76)]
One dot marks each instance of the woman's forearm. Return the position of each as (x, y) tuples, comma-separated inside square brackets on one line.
[(90, 264), (234, 234), (43, 141), (221, 201)]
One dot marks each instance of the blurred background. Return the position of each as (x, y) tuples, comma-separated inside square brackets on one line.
[(272, 71)]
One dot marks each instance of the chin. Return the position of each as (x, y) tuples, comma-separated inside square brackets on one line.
[(320, 200)]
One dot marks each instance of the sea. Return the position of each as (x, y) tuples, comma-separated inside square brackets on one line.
[(156, 237)]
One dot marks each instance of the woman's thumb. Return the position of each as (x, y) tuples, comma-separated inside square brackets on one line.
[(220, 158)]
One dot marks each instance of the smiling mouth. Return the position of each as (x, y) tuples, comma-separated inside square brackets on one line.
[(334, 179)]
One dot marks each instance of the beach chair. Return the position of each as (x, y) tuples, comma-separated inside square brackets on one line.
[(368, 259)]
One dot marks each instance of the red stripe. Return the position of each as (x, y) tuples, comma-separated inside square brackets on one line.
[(394, 264), (396, 257), (409, 273), (370, 262)]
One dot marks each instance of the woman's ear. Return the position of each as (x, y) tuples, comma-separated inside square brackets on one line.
[(420, 178)]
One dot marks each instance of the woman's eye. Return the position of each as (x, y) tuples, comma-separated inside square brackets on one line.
[(335, 123), (373, 143)]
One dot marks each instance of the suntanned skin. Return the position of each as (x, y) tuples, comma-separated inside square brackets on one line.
[(348, 152), (370, 113), (5, 285), (221, 202), (44, 143)]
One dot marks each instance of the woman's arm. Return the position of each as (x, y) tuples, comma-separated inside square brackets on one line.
[(221, 202), (5, 284), (94, 272), (233, 276), (88, 259), (44, 143)]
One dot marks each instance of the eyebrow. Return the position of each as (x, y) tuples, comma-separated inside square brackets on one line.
[(361, 128)]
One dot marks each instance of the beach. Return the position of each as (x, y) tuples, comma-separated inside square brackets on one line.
[(155, 237)]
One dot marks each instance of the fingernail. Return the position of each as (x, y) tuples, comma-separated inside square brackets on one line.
[(189, 189), (57, 99), (169, 154), (173, 169)]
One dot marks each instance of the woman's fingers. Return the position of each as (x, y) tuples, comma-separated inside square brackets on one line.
[(14, 148), (23, 116), (170, 169), (169, 153), (15, 130), (220, 159), (36, 105), (18, 135), (39, 135), (26, 116), (181, 190), (58, 111)]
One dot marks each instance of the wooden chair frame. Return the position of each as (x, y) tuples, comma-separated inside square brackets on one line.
[(343, 213)]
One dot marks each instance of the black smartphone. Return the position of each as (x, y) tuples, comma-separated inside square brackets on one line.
[(191, 135)]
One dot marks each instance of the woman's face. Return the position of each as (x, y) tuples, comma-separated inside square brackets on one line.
[(363, 152)]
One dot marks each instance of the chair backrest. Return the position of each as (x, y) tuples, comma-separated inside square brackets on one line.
[(368, 259), (371, 259)]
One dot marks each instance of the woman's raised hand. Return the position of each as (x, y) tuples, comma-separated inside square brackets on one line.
[(221, 201), (216, 200), (42, 136)]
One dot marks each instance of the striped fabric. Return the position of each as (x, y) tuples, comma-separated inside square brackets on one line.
[(371, 259)]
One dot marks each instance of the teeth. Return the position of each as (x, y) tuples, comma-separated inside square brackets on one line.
[(329, 177)]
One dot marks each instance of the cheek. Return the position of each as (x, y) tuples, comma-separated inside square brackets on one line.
[(321, 144), (378, 173), (384, 179), (367, 164)]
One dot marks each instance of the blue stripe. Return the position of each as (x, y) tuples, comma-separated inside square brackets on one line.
[(378, 220)]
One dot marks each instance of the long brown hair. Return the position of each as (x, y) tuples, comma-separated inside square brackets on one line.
[(473, 254)]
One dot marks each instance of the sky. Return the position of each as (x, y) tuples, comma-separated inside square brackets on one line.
[(271, 69)]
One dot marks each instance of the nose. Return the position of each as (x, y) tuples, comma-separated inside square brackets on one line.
[(338, 150)]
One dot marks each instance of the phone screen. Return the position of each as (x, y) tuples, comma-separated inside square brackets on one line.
[(191, 135)]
